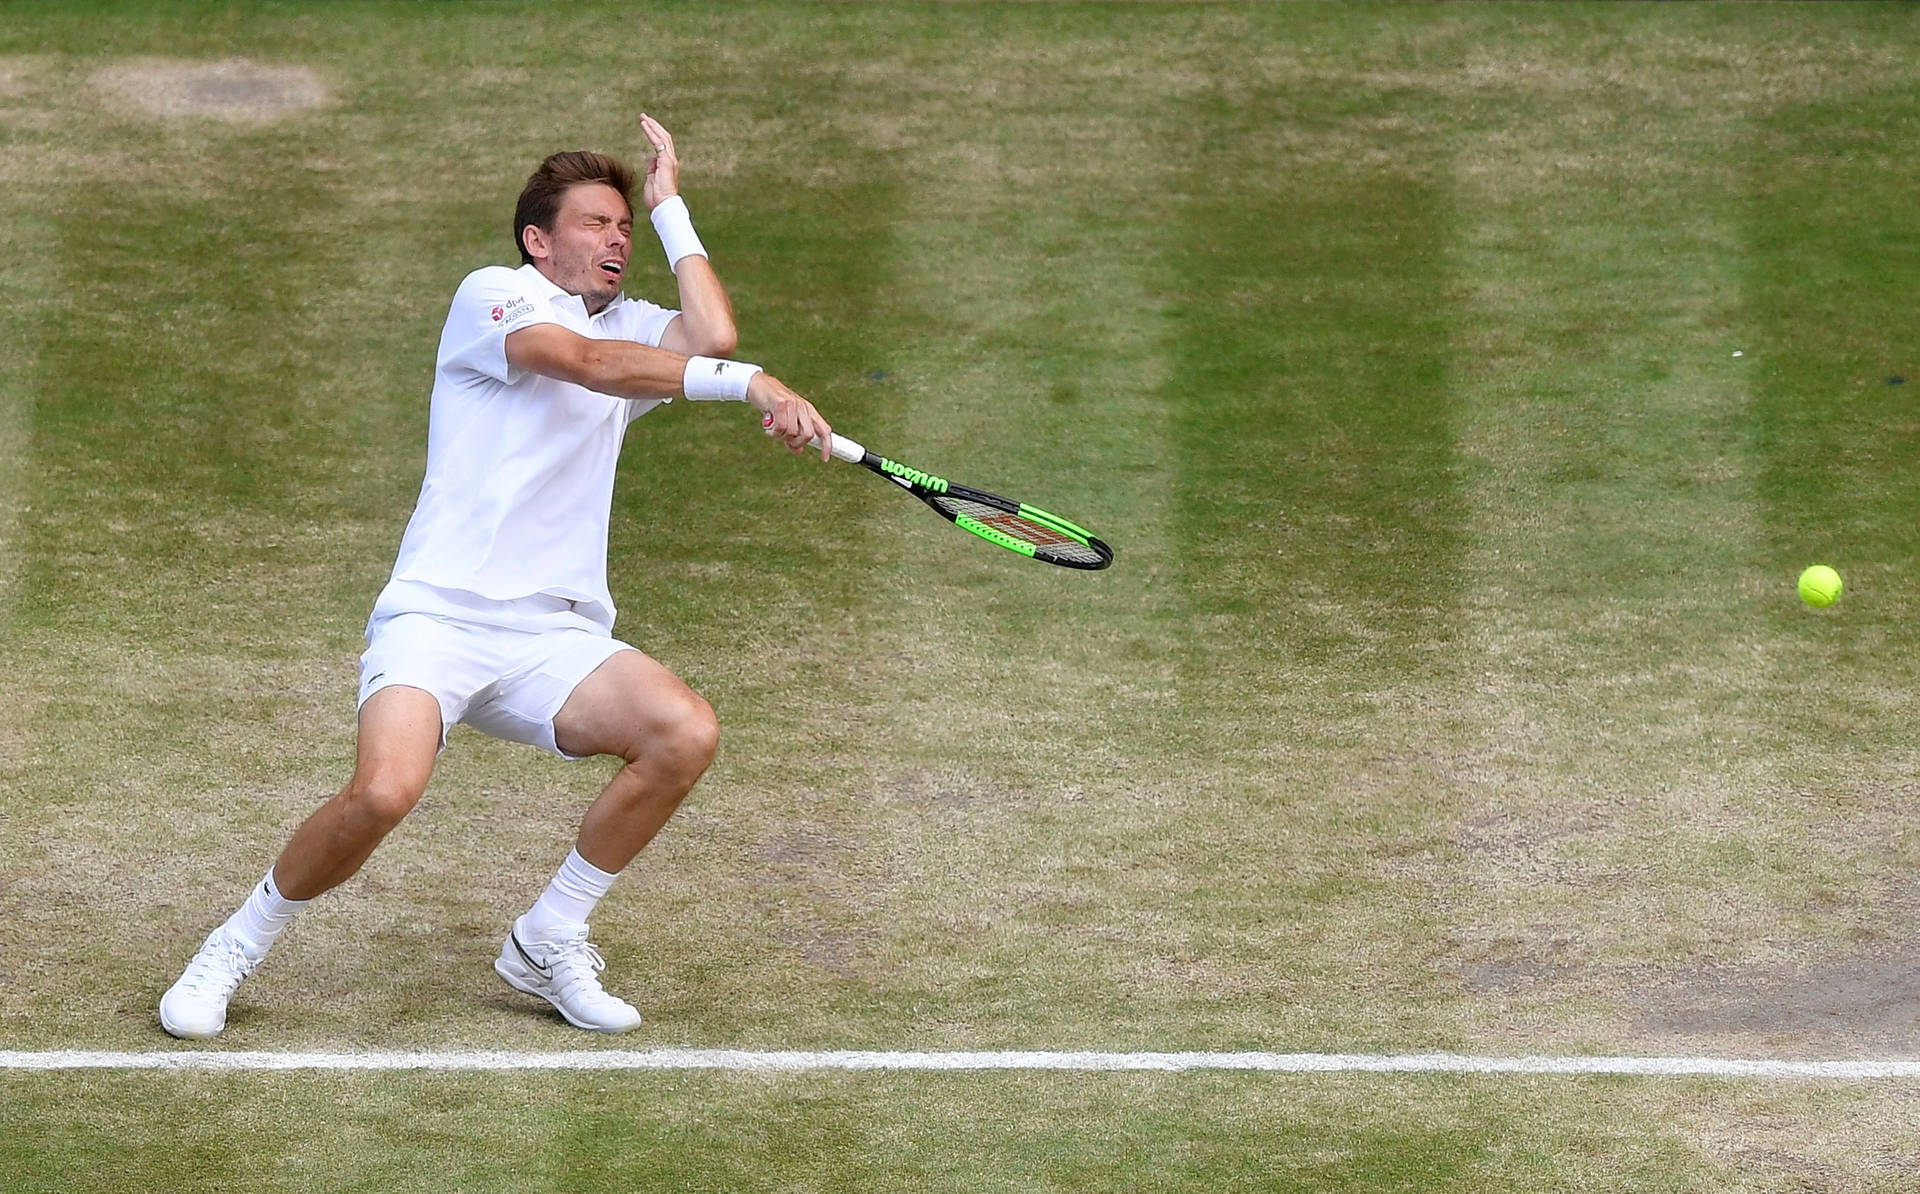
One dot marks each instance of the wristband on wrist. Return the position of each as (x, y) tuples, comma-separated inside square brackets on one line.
[(675, 226), (715, 379)]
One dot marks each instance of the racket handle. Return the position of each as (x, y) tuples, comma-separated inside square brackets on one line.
[(843, 448)]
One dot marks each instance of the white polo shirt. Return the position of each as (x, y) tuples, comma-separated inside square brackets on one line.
[(519, 484)]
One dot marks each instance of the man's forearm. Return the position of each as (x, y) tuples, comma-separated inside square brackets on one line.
[(706, 325), (705, 309), (626, 370)]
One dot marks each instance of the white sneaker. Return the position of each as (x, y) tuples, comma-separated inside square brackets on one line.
[(196, 1005), (565, 973)]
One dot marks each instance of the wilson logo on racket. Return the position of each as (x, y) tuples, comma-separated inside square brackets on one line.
[(923, 480)]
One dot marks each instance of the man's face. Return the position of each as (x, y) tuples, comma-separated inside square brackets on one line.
[(587, 249)]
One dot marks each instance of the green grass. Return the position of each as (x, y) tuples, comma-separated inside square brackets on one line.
[(696, 1133), (1449, 691)]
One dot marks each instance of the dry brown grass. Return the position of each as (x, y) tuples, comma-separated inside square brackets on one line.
[(234, 90)]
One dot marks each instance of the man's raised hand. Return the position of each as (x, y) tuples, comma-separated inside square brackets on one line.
[(663, 167)]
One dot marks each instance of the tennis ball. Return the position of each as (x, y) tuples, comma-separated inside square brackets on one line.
[(1819, 586)]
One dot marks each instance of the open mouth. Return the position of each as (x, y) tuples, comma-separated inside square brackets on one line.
[(611, 269)]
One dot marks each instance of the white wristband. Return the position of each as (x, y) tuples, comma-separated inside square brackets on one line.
[(714, 379), (675, 226)]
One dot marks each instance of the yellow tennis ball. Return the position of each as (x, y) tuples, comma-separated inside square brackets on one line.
[(1819, 586)]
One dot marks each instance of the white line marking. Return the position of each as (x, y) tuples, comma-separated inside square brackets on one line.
[(849, 1059)]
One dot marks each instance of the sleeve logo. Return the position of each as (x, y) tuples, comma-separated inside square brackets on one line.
[(512, 311)]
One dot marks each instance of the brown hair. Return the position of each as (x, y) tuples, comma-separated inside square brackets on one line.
[(540, 199)]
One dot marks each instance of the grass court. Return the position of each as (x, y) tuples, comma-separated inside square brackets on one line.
[(1461, 387)]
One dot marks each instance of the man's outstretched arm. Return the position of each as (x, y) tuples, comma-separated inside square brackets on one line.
[(626, 369)]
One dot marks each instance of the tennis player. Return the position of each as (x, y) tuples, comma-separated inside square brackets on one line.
[(497, 613)]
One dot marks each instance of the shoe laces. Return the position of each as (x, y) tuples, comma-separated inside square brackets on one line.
[(218, 967), (576, 966)]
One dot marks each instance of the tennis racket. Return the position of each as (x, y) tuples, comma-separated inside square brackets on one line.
[(1020, 528)]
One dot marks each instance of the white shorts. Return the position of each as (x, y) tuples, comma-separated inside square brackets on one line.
[(506, 681)]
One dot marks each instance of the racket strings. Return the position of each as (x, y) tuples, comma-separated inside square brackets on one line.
[(1044, 538)]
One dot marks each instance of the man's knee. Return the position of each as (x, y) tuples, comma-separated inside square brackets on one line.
[(382, 797), (686, 736)]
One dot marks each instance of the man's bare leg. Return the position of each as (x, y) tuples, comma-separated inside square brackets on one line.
[(637, 710), (399, 737)]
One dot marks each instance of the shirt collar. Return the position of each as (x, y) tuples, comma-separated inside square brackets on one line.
[(545, 286)]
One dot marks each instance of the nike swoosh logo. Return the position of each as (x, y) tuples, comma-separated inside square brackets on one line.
[(541, 970)]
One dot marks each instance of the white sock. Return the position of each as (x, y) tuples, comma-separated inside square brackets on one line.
[(262, 917), (569, 899)]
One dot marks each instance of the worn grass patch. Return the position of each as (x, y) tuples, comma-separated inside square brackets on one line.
[(233, 90)]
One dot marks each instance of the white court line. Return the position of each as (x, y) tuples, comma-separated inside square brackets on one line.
[(789, 1061)]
